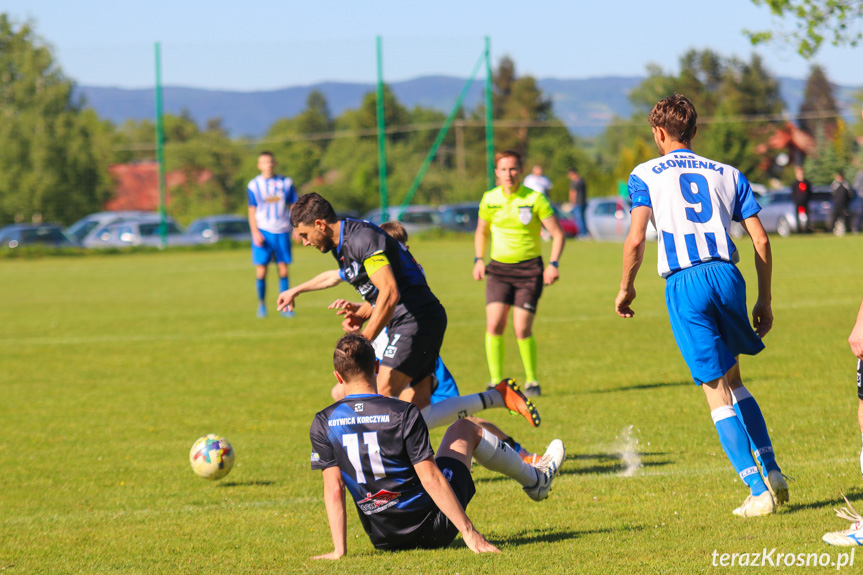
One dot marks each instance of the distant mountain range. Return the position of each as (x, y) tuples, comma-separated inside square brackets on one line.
[(586, 106)]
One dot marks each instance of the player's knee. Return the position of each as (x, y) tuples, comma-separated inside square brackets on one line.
[(465, 429)]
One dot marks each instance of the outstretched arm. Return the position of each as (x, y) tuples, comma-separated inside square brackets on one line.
[(762, 312), (321, 281), (334, 499), (633, 255), (441, 493)]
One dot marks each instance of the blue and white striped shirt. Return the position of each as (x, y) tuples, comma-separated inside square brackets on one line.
[(694, 201), (272, 199)]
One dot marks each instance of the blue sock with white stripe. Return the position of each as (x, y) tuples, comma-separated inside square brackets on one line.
[(735, 442), (261, 285), (750, 416), (284, 284)]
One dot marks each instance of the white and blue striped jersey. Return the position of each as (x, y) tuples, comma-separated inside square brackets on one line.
[(272, 199), (693, 201)]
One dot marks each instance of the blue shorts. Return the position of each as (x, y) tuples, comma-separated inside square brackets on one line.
[(446, 386), (276, 247), (707, 309)]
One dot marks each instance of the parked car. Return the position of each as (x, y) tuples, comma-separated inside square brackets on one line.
[(212, 229), (608, 219), (16, 235), (460, 217), (415, 219), (144, 232), (88, 227), (778, 213), (566, 221)]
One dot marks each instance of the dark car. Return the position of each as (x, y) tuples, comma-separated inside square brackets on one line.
[(460, 217), (34, 234), (566, 221), (415, 218), (212, 229)]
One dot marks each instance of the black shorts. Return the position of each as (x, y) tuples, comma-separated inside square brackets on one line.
[(860, 378), (437, 530), (414, 343), (514, 284)]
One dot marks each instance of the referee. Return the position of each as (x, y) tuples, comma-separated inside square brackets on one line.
[(513, 215)]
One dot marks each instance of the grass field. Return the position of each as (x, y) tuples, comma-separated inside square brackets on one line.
[(113, 365)]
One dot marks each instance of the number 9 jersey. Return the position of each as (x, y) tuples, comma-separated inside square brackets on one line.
[(694, 201)]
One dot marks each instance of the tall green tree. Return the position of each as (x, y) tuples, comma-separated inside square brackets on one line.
[(52, 150), (818, 101)]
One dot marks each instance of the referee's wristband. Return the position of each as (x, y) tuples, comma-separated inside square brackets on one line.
[(555, 264), (476, 260)]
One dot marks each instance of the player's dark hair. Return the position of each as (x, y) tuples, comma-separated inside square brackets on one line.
[(676, 115), (267, 153), (354, 357), (396, 231), (311, 207), (508, 154)]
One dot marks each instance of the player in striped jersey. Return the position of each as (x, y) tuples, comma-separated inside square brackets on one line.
[(692, 201), (270, 197)]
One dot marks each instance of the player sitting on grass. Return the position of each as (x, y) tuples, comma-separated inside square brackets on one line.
[(692, 201), (378, 447)]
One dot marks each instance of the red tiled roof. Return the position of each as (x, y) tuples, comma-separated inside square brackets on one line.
[(136, 186)]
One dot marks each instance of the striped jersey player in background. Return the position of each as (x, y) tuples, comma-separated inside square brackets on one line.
[(692, 201), (270, 197)]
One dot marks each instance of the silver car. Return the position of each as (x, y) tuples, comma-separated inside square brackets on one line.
[(778, 212), (608, 219), (144, 232), (212, 229), (87, 228)]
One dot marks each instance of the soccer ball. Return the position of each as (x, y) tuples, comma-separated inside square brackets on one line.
[(211, 457)]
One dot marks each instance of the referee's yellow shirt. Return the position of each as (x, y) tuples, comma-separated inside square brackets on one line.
[(515, 223)]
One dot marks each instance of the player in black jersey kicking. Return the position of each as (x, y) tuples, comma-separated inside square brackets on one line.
[(378, 447)]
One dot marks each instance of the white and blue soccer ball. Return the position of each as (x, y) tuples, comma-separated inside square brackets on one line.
[(212, 457)]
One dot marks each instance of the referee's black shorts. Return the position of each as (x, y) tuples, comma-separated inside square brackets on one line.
[(518, 285)]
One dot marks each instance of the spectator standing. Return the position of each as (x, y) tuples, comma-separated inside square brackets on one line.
[(801, 193), (842, 196), (537, 181), (578, 200)]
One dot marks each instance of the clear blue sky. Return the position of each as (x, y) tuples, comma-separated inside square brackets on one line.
[(272, 44)]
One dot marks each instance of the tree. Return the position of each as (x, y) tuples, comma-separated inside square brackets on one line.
[(52, 151), (736, 102), (818, 101), (812, 22)]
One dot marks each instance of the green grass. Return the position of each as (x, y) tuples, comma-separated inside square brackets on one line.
[(113, 365)]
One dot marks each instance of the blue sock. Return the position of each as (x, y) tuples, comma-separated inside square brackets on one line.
[(735, 442), (749, 414), (284, 284), (262, 288)]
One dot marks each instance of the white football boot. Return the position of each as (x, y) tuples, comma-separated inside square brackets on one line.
[(754, 506), (778, 486), (851, 537), (546, 469)]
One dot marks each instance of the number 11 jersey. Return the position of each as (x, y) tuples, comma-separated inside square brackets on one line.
[(694, 201), (375, 442)]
